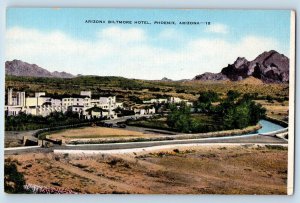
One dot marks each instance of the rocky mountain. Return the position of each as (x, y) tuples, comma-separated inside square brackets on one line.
[(20, 68), (270, 67), (211, 76), (165, 79)]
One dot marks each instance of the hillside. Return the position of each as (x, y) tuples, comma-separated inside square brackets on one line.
[(251, 80), (134, 90), (20, 68)]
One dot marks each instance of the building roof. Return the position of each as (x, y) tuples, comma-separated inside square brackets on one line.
[(143, 106), (46, 103), (95, 109)]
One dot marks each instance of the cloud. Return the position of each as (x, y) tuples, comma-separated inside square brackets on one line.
[(168, 33), (129, 53), (125, 35), (218, 28)]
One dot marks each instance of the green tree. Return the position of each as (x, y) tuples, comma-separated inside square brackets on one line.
[(242, 116), (256, 112), (180, 117), (229, 118), (241, 113), (232, 95), (205, 100)]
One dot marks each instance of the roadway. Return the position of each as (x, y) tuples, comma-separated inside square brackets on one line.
[(266, 138), (242, 139)]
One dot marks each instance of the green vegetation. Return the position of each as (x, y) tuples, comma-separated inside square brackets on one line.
[(233, 112), (220, 103), (239, 113), (204, 102), (138, 90), (156, 123), (276, 147), (13, 180), (30, 122), (179, 118)]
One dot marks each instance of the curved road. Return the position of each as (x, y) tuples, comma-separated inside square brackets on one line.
[(267, 138)]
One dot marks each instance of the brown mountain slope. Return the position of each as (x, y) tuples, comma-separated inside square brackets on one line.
[(20, 68)]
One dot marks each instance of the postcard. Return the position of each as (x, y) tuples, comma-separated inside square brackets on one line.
[(149, 101)]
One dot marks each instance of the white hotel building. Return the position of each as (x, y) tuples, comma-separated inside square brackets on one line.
[(43, 106)]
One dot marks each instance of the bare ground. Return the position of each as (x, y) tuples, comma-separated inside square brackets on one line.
[(278, 110), (95, 133), (194, 170)]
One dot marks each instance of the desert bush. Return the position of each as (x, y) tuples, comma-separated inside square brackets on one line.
[(13, 180), (176, 150), (276, 147), (113, 162)]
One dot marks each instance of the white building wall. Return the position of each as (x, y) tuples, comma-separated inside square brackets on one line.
[(41, 105), (13, 111), (31, 101), (14, 101), (75, 101), (32, 111), (77, 109), (9, 97), (56, 102), (175, 100), (151, 111), (142, 112), (42, 100), (39, 94)]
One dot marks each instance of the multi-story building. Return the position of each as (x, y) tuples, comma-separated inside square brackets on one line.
[(170, 100), (158, 101), (43, 106)]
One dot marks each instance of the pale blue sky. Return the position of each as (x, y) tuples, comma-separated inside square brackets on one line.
[(59, 39)]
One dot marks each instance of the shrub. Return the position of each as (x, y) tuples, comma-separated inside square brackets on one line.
[(13, 180), (113, 162), (176, 150)]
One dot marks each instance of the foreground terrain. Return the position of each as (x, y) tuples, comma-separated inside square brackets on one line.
[(207, 169)]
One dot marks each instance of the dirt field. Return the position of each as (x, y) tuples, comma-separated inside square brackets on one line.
[(193, 170), (95, 132), (15, 138), (278, 110)]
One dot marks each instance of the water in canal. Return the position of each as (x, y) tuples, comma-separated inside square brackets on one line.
[(268, 126)]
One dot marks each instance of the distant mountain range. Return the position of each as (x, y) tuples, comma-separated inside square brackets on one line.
[(20, 68), (166, 79), (270, 67)]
